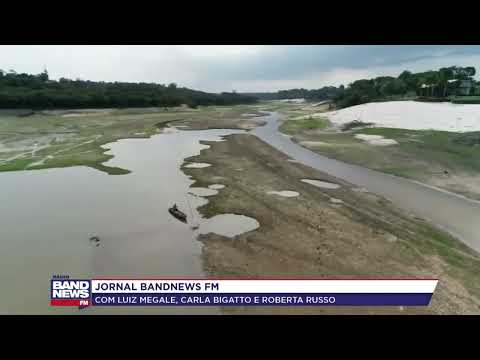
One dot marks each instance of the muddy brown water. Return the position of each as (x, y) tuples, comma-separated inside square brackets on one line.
[(48, 216), (451, 212)]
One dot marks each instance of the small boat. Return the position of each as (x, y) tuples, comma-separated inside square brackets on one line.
[(177, 213)]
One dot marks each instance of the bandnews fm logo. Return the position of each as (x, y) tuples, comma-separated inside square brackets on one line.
[(69, 292)]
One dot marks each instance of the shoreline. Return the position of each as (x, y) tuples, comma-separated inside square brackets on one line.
[(310, 235)]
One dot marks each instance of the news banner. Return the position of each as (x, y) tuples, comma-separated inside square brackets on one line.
[(241, 292)]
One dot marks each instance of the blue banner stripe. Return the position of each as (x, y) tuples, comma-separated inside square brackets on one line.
[(267, 299)]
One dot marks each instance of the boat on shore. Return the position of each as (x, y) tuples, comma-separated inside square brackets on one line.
[(177, 213)]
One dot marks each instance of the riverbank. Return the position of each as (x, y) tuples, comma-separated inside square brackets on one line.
[(443, 159), (342, 231), (64, 138)]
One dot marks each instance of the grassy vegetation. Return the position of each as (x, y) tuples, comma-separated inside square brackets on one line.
[(354, 124), (418, 153), (462, 262), (310, 123), (466, 100), (448, 149), (58, 139)]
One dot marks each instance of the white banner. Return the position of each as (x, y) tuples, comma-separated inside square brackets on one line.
[(413, 286)]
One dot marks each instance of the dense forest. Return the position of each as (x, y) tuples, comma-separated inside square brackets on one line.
[(439, 83), (323, 93), (39, 92)]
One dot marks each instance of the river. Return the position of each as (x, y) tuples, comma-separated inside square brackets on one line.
[(47, 217), (451, 212)]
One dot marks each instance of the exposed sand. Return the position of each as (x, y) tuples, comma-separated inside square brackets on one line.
[(321, 184), (412, 115), (376, 140), (249, 124), (284, 193), (368, 137)]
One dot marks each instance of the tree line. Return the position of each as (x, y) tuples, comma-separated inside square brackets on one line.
[(407, 84), (21, 90), (324, 93), (441, 82)]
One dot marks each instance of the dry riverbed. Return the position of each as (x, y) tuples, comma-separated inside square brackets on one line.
[(322, 231)]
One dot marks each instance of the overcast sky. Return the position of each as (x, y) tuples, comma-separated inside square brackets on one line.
[(219, 68)]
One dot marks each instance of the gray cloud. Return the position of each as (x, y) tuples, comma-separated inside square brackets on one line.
[(244, 68)]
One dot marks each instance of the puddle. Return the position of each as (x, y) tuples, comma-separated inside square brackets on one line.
[(284, 193), (229, 225), (362, 190), (336, 201), (195, 165), (321, 184), (198, 191), (216, 186)]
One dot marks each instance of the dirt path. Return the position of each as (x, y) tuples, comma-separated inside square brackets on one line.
[(310, 234)]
